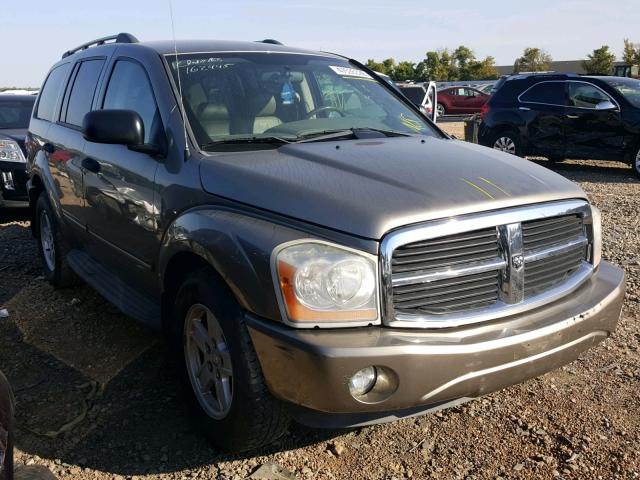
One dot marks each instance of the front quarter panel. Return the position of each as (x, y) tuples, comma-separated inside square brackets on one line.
[(238, 244)]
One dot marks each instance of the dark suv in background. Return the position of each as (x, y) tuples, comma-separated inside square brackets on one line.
[(565, 116), (15, 112)]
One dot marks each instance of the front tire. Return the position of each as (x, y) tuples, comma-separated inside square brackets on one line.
[(508, 142), (220, 369), (52, 246), (441, 110)]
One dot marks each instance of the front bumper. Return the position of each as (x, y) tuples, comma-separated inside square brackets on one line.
[(311, 368), (13, 185)]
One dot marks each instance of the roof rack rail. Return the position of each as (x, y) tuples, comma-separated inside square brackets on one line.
[(119, 38), (270, 40)]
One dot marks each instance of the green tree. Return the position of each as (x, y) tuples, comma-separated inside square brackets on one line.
[(630, 52), (483, 70), (436, 66), (404, 71), (532, 60), (386, 66), (600, 62)]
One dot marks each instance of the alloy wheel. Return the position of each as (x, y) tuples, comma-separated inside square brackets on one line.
[(440, 110), (46, 240), (208, 361), (505, 144)]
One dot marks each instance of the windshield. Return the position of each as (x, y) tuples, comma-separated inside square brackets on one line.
[(233, 97), (15, 113), (628, 87)]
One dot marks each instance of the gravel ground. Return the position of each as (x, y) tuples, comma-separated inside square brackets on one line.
[(98, 400)]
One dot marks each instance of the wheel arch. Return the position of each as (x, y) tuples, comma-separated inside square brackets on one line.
[(35, 187), (235, 245)]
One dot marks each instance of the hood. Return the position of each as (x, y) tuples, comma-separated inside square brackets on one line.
[(19, 135), (368, 187)]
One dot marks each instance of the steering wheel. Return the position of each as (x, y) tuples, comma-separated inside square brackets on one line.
[(326, 108)]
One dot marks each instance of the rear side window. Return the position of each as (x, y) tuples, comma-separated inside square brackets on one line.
[(50, 92), (549, 93), (84, 87), (129, 89)]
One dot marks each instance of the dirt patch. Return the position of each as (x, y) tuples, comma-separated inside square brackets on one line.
[(74, 360)]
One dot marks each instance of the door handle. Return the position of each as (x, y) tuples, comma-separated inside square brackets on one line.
[(526, 109), (573, 116), (91, 165), (49, 148)]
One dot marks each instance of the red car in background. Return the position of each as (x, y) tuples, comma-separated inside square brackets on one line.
[(453, 100)]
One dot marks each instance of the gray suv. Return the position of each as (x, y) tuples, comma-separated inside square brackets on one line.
[(313, 247)]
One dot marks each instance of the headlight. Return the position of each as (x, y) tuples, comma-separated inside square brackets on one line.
[(326, 284), (10, 152), (596, 241)]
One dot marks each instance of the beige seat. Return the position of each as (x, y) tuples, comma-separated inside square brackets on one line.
[(266, 117), (214, 119)]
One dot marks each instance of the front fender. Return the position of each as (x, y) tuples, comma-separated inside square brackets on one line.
[(238, 246), (40, 168)]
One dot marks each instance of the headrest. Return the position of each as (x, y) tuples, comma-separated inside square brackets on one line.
[(211, 112), (265, 106)]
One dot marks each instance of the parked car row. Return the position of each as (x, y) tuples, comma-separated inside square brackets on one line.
[(562, 116), (312, 246)]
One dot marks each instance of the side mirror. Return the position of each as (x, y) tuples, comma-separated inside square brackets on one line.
[(113, 126), (606, 105)]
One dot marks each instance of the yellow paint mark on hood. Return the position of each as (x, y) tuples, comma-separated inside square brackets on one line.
[(479, 188)]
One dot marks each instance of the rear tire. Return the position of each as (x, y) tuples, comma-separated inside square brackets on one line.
[(507, 141), (440, 110), (220, 369), (52, 246)]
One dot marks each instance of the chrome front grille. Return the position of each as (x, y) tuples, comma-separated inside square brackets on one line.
[(484, 266), (447, 294)]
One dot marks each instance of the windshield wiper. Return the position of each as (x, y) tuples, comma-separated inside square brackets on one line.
[(349, 133), (271, 140)]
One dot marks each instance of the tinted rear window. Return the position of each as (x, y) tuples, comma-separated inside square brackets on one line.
[(15, 113), (81, 97), (550, 93), (50, 92)]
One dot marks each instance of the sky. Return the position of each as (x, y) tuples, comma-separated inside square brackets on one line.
[(36, 33)]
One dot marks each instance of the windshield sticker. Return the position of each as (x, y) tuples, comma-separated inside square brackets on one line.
[(203, 64), (349, 72), (409, 123)]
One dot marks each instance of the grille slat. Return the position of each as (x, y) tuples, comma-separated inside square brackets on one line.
[(438, 291), (539, 234), (550, 270), (479, 277), (454, 306), (487, 234)]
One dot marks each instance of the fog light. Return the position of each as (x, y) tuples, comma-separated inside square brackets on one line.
[(363, 381)]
